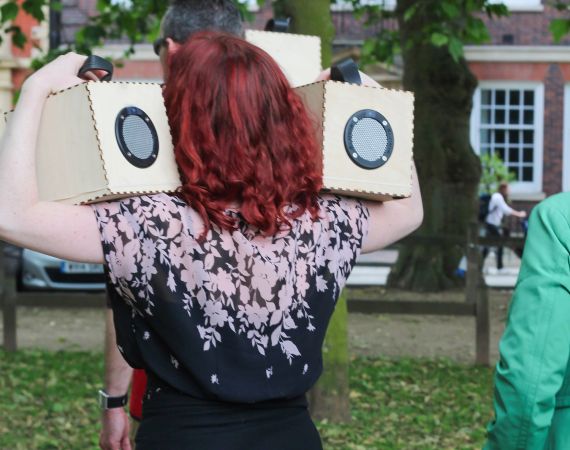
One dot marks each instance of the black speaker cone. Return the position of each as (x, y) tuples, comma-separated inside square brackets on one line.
[(136, 136), (368, 139)]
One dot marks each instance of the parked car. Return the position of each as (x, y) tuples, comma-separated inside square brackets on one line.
[(42, 272)]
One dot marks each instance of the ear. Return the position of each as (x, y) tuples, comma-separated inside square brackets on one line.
[(171, 46)]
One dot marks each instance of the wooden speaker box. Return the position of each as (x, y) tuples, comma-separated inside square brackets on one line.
[(299, 56), (105, 140), (366, 134)]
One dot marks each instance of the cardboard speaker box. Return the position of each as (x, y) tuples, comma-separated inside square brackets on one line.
[(105, 140), (299, 56), (366, 136)]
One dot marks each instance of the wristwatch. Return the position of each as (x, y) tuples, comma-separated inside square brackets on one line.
[(108, 402)]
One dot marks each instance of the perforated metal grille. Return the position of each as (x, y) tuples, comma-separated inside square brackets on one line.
[(138, 137), (369, 139)]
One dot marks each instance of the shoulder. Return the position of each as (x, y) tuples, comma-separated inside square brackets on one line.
[(553, 212), (144, 213), (551, 218), (141, 204), (344, 216), (337, 204), (558, 204)]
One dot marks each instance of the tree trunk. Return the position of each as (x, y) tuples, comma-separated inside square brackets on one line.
[(329, 398), (449, 170), (309, 17)]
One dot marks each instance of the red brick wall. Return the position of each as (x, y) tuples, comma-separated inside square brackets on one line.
[(509, 71), (553, 123), (139, 70), (527, 28)]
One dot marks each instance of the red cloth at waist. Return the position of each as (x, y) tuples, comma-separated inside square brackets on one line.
[(138, 388)]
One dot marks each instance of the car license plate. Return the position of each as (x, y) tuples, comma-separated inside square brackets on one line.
[(74, 267)]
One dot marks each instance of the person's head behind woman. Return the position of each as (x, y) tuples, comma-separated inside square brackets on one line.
[(241, 135)]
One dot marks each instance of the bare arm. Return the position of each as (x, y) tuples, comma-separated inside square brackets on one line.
[(117, 372), (114, 422), (393, 220), (64, 231)]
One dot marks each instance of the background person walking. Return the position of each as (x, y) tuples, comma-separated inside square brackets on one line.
[(498, 208)]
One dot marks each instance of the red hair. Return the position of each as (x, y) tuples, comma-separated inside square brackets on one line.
[(242, 136)]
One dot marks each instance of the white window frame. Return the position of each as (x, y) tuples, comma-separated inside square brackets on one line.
[(517, 187), (345, 5), (566, 140), (251, 5), (513, 5), (522, 5)]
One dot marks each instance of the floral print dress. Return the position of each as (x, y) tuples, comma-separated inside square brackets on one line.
[(238, 316)]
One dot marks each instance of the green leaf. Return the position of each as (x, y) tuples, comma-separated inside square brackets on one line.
[(368, 47), (56, 5), (496, 10), (455, 48), (561, 6), (476, 31), (493, 171), (450, 9), (18, 38), (35, 9), (410, 12), (9, 11), (57, 408), (559, 28), (439, 39)]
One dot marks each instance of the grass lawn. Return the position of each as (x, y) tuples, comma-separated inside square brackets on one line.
[(48, 401)]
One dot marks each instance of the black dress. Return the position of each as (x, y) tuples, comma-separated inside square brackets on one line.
[(228, 329)]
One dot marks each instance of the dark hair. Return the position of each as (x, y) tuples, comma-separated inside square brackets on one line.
[(185, 17), (241, 134)]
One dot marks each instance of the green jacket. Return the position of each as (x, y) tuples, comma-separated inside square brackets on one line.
[(532, 378)]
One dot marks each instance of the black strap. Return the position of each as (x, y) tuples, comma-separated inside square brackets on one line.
[(94, 62), (346, 71), (280, 25)]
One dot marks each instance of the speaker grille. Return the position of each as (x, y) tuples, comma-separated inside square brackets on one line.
[(368, 139), (136, 136)]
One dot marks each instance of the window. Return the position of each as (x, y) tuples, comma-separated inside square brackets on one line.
[(507, 120), (566, 141)]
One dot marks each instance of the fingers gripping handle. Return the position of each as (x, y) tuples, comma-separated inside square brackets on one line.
[(93, 63), (279, 25), (346, 71)]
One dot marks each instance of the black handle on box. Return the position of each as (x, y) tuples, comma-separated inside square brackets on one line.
[(279, 25), (346, 71), (94, 62)]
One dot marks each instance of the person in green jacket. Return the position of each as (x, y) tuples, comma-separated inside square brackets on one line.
[(532, 378)]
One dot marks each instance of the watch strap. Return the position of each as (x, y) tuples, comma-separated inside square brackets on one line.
[(108, 402)]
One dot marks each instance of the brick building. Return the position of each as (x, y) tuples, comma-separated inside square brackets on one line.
[(521, 109)]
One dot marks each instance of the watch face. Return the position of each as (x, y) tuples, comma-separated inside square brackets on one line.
[(102, 399)]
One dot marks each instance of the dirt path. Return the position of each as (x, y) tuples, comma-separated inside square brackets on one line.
[(426, 336), (389, 335)]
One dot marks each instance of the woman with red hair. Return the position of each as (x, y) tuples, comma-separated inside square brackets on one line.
[(225, 290)]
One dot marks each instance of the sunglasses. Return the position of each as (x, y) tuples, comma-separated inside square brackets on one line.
[(157, 44)]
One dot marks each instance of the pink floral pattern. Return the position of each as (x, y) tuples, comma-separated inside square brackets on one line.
[(273, 293)]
